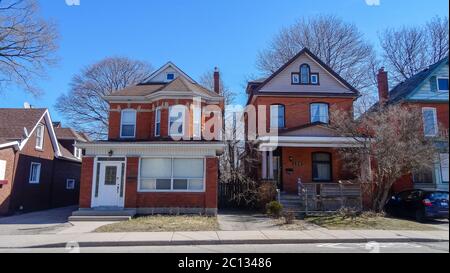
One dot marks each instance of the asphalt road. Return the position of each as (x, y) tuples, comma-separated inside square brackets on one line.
[(304, 248)]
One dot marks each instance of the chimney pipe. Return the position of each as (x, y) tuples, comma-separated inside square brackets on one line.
[(216, 80), (383, 86)]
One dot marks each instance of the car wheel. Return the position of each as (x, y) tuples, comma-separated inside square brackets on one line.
[(420, 216)]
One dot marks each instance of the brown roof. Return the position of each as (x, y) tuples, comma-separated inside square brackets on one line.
[(70, 134), (66, 154), (13, 122), (179, 84)]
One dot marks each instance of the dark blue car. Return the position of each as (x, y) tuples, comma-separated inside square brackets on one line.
[(419, 204)]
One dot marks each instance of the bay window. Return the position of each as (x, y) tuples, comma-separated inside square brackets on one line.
[(320, 113), (197, 122), (158, 122), (128, 124), (177, 116), (171, 174)]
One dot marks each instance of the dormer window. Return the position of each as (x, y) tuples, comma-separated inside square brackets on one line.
[(170, 77), (128, 124), (305, 72)]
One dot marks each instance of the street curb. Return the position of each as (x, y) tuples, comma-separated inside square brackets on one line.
[(242, 242)]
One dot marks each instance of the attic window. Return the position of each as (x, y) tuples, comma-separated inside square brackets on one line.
[(40, 137), (170, 77)]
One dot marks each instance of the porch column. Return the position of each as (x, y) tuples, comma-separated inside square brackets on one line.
[(264, 165), (271, 176)]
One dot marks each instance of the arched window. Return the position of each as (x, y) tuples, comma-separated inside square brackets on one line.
[(277, 116), (320, 113), (322, 171), (305, 74)]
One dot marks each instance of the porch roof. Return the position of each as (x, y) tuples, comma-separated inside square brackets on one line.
[(310, 142)]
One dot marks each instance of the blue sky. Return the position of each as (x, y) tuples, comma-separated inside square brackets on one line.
[(195, 34)]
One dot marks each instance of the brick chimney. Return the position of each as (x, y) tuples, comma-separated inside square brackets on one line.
[(216, 80), (383, 86)]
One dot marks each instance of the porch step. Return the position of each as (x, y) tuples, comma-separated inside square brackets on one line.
[(102, 215)]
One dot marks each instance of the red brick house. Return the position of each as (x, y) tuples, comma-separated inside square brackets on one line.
[(298, 99), (158, 157), (428, 90), (36, 171)]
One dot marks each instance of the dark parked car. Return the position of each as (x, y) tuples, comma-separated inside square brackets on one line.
[(422, 205)]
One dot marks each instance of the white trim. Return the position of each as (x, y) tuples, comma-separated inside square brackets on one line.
[(2, 169), (437, 84), (122, 124), (15, 143), (327, 71), (67, 184), (164, 67), (172, 158), (436, 128), (183, 120), (121, 200), (158, 110), (38, 175), (313, 142)]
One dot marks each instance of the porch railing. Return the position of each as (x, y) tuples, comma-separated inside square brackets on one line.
[(330, 197)]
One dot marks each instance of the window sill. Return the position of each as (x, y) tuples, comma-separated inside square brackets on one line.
[(169, 191)]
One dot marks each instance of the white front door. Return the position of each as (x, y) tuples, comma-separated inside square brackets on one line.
[(109, 184)]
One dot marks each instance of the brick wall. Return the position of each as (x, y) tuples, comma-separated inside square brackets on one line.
[(87, 171), (302, 166)]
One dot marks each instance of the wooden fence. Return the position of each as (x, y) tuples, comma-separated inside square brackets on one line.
[(330, 197)]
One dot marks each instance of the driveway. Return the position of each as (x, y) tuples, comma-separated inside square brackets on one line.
[(42, 222)]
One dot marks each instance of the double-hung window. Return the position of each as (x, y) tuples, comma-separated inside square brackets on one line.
[(35, 173), (158, 122), (78, 153), (430, 125), (444, 167), (171, 174), (320, 113), (177, 115), (40, 129), (277, 118), (128, 124)]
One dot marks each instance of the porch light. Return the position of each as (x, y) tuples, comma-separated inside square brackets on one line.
[(111, 153)]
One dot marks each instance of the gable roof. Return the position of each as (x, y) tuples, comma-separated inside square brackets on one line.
[(182, 84), (164, 67), (18, 125), (70, 134), (256, 86), (406, 88)]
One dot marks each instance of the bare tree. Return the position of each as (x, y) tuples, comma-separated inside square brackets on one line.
[(84, 105), (207, 80), (27, 44), (408, 50), (339, 44), (391, 137)]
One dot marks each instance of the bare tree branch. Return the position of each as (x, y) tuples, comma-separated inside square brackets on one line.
[(27, 44), (84, 107)]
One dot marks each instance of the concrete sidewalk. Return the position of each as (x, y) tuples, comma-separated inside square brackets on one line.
[(220, 238)]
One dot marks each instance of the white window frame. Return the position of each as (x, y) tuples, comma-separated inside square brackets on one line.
[(442, 167), (78, 153), (437, 83), (312, 114), (38, 175), (40, 133), (67, 184), (172, 178), (158, 122), (436, 129), (122, 123), (317, 79), (2, 169), (183, 117)]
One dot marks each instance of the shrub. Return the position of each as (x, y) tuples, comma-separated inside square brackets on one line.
[(274, 209), (289, 217), (267, 193)]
